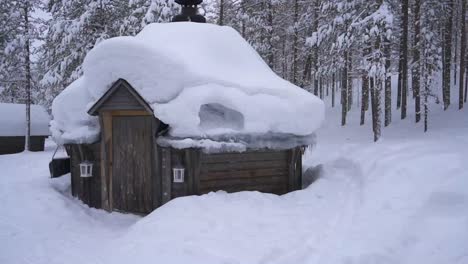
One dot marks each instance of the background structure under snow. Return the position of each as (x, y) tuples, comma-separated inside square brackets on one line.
[(203, 80), (13, 120)]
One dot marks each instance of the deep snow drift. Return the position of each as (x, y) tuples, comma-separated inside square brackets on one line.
[(402, 200), (201, 79)]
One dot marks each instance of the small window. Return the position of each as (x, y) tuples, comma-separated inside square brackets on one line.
[(178, 174)]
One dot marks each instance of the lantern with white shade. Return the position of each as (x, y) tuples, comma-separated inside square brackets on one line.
[(86, 169), (178, 173)]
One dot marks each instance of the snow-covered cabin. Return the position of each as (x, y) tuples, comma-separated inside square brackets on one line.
[(13, 127), (181, 109)]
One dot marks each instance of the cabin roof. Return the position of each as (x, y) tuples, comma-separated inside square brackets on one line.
[(213, 85), (13, 120)]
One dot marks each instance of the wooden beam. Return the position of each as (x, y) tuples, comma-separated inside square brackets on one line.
[(156, 166), (166, 181)]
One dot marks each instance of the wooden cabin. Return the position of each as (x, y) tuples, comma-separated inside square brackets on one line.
[(133, 172), (13, 128), (153, 119)]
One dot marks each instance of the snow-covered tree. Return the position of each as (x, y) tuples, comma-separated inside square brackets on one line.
[(17, 32), (431, 52), (78, 25)]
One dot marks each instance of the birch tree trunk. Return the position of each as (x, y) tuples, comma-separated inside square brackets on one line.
[(27, 146)]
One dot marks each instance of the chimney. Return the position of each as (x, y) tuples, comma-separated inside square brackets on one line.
[(189, 12)]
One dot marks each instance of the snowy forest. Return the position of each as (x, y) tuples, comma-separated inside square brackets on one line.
[(388, 58)]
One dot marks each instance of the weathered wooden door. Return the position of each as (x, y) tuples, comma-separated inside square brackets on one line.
[(131, 165)]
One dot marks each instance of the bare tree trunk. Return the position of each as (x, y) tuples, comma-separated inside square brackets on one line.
[(321, 87), (388, 84), (344, 91), (350, 81), (373, 106), (295, 43), (315, 51), (466, 84), (327, 82), (365, 98), (333, 90), (447, 56), (426, 109), (400, 75), (415, 69), (271, 54), (404, 59), (455, 54), (462, 55), (221, 13)]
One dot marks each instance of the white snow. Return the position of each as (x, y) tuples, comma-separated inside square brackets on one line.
[(13, 120), (180, 67), (402, 200)]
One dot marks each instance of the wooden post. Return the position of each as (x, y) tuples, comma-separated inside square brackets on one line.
[(292, 170), (104, 169), (166, 175), (156, 166)]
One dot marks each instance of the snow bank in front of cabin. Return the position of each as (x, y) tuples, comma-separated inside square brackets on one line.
[(402, 200), (179, 68), (13, 120)]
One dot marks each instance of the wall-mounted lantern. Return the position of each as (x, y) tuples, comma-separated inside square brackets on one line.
[(178, 173), (86, 169)]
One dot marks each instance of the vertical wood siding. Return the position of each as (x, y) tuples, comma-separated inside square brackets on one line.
[(87, 190), (131, 166)]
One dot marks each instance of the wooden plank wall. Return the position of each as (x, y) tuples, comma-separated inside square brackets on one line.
[(131, 166), (86, 189), (265, 171), (10, 145)]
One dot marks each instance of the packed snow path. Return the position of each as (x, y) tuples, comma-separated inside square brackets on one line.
[(401, 200)]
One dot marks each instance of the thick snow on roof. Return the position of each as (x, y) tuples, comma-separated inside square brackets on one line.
[(203, 80), (13, 120)]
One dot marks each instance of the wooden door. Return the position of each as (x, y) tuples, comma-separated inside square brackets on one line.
[(131, 165)]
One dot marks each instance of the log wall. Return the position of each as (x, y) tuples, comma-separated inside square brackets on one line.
[(10, 145), (87, 190), (267, 171), (264, 171)]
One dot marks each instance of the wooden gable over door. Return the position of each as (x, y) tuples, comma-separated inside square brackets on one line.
[(121, 96)]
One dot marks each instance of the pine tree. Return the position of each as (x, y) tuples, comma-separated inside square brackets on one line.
[(415, 68), (447, 53), (77, 26), (403, 63), (430, 50)]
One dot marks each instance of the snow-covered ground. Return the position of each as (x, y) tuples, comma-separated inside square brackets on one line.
[(401, 200)]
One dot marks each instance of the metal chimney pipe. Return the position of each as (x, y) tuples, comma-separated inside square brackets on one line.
[(189, 12)]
